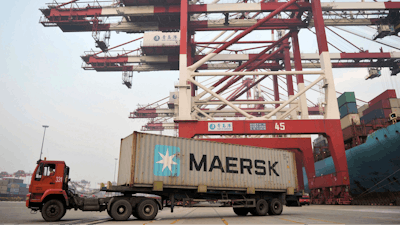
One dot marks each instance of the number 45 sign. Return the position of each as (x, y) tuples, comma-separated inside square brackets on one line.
[(280, 126)]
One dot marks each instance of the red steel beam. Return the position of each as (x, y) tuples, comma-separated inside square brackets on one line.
[(288, 67), (297, 57), (259, 23), (239, 42)]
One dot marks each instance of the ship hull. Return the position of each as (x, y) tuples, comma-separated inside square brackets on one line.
[(374, 168)]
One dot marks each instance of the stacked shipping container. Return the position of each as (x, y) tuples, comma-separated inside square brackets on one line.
[(348, 110), (13, 186), (381, 107)]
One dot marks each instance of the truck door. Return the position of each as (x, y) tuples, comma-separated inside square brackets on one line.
[(45, 178)]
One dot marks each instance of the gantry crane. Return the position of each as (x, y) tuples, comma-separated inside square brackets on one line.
[(203, 103)]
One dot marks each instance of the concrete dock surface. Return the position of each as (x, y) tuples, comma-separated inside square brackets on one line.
[(17, 213)]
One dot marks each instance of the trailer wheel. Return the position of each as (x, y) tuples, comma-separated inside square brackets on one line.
[(121, 210), (109, 213), (53, 210), (261, 208), (275, 207), (241, 211), (147, 209)]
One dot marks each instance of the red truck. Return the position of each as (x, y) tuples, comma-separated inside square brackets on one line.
[(50, 194)]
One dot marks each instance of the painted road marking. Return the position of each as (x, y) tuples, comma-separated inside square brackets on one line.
[(149, 222), (290, 220), (324, 221), (226, 223), (175, 221)]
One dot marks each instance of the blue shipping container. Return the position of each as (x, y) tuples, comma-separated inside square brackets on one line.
[(376, 114), (348, 108)]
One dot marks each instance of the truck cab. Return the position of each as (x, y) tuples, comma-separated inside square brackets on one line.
[(48, 189), (49, 194)]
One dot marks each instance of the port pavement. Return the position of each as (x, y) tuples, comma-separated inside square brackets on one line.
[(17, 213)]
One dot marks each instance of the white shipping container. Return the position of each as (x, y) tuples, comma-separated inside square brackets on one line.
[(14, 190), (14, 186), (394, 102), (159, 38), (347, 120), (190, 163), (397, 111), (362, 108)]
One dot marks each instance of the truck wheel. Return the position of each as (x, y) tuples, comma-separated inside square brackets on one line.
[(241, 211), (109, 213), (261, 208), (147, 209), (275, 207), (121, 210), (53, 210)]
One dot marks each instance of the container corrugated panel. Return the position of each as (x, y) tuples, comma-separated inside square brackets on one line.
[(394, 102), (376, 114), (3, 182), (345, 98), (362, 108), (382, 104), (188, 163), (14, 190), (349, 119), (390, 93), (3, 188), (14, 186), (348, 108)]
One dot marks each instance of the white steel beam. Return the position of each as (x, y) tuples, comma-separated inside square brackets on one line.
[(291, 99), (220, 98), (240, 102), (195, 74)]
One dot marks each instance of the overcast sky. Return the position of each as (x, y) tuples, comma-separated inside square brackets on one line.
[(42, 82)]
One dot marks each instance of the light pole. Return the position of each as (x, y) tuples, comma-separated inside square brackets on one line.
[(115, 170), (45, 126)]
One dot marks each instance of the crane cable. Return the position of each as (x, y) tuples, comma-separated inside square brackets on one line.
[(366, 37)]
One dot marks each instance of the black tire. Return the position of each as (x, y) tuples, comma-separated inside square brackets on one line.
[(261, 208), (53, 210), (147, 209), (109, 213), (241, 211), (65, 211), (121, 210), (275, 207)]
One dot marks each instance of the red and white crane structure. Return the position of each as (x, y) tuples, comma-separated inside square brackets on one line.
[(208, 104)]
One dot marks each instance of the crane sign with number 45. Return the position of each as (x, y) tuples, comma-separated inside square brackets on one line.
[(280, 126)]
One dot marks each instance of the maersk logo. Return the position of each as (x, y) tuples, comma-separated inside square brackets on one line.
[(166, 161)]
